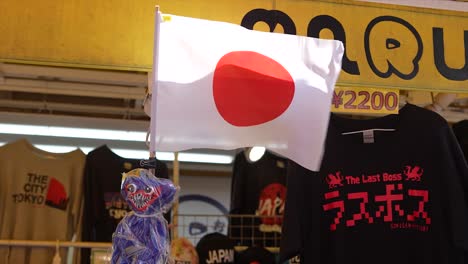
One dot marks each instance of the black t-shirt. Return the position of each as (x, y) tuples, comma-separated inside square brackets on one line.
[(216, 248), (399, 200), (259, 189), (104, 207)]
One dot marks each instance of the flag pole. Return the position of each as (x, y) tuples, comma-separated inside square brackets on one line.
[(175, 168), (154, 73), (175, 206)]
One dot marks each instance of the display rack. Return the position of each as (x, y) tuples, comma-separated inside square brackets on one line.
[(203, 223), (53, 244), (244, 230)]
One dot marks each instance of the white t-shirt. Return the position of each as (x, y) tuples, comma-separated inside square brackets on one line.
[(40, 199)]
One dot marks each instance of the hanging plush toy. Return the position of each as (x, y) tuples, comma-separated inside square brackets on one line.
[(142, 236)]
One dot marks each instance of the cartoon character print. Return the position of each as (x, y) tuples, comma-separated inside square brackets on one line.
[(142, 236)]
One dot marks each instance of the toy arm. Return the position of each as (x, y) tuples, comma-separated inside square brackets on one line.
[(126, 246)]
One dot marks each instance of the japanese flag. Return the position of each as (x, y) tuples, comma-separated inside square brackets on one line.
[(222, 86)]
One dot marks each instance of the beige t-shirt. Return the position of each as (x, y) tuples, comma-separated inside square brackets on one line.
[(40, 199)]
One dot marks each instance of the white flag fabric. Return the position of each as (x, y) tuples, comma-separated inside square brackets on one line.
[(222, 86)]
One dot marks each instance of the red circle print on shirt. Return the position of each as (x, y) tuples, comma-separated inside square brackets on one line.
[(250, 88)]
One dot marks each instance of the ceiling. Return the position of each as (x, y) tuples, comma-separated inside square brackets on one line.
[(77, 92), (66, 97)]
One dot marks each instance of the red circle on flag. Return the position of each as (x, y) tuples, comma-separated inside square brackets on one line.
[(250, 88)]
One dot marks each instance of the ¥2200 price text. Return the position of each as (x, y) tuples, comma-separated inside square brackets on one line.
[(365, 100)]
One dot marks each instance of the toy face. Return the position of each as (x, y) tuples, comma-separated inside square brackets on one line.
[(147, 194), (140, 196)]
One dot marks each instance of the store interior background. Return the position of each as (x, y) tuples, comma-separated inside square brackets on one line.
[(113, 100)]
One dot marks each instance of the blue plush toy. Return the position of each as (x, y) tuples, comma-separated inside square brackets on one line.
[(142, 236)]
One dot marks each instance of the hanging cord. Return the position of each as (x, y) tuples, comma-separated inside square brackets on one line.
[(57, 259), (151, 162), (147, 138), (435, 106)]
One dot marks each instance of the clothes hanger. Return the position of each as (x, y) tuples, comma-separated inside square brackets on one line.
[(368, 131)]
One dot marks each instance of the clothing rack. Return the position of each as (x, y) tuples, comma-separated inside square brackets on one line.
[(45, 243), (52, 244)]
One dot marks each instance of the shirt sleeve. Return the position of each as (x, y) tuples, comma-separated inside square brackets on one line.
[(291, 238), (237, 197), (460, 130), (457, 188), (237, 184), (78, 195), (89, 211)]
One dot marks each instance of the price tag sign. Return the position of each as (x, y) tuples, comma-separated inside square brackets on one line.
[(365, 100)]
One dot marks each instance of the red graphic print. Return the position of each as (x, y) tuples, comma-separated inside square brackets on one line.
[(271, 204), (333, 205), (389, 198), (334, 180), (56, 195), (362, 207), (413, 173), (424, 194), (384, 200)]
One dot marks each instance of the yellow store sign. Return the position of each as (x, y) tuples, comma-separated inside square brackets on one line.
[(386, 46)]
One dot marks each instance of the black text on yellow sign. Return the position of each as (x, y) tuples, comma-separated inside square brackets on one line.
[(365, 100), (386, 46)]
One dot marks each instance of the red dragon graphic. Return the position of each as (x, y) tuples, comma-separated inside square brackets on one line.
[(334, 180), (413, 173)]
